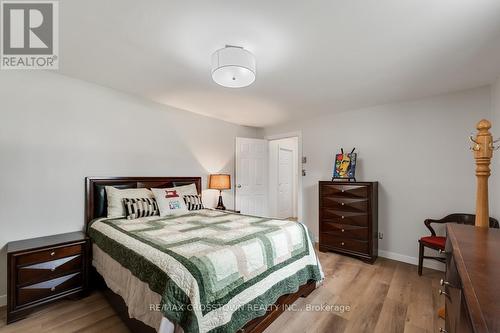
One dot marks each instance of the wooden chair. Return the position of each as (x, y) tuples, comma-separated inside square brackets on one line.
[(438, 242)]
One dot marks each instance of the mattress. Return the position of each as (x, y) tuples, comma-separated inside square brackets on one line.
[(214, 271)]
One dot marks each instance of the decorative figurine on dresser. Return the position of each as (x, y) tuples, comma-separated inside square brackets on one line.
[(348, 218), (44, 269)]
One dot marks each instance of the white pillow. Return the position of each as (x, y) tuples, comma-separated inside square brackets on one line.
[(170, 202), (116, 207), (186, 190)]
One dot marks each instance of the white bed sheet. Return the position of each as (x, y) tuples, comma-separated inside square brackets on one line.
[(136, 294)]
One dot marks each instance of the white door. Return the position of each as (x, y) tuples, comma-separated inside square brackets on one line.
[(285, 182), (251, 176)]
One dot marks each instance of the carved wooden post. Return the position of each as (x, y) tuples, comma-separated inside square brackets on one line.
[(483, 152)]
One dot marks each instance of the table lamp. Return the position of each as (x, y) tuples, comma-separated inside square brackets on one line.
[(220, 182)]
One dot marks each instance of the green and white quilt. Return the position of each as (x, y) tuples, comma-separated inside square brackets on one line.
[(215, 271)]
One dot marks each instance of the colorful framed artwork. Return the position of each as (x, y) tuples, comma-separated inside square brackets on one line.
[(345, 166)]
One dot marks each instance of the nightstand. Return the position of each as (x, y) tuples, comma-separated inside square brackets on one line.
[(45, 269)]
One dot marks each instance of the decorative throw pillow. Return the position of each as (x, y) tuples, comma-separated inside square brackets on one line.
[(186, 189), (115, 197), (140, 207), (169, 201), (193, 202)]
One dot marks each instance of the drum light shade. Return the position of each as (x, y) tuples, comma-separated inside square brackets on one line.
[(233, 67), (219, 182)]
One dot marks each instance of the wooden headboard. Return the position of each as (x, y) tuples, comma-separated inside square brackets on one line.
[(95, 194)]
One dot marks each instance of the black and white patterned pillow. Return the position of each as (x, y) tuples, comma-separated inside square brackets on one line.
[(140, 207), (193, 202)]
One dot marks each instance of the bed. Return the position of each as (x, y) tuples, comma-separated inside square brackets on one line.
[(203, 271)]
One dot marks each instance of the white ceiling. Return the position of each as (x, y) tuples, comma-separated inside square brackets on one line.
[(312, 56)]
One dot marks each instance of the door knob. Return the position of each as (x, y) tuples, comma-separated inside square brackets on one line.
[(238, 186)]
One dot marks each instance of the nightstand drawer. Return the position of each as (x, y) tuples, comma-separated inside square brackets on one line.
[(50, 254), (50, 269), (50, 288)]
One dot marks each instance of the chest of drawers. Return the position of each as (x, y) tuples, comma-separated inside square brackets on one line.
[(348, 218), (470, 286), (41, 270)]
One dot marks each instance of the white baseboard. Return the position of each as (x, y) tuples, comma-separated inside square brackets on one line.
[(3, 300), (411, 260), (407, 259)]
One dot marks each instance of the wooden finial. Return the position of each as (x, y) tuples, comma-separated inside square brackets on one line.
[(483, 125), (483, 152)]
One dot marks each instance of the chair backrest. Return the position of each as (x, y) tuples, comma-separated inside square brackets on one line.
[(469, 219)]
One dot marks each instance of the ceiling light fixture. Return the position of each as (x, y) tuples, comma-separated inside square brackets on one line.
[(233, 67)]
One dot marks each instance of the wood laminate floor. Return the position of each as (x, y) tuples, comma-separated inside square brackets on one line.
[(385, 297)]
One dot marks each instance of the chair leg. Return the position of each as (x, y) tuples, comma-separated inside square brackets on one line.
[(420, 258)]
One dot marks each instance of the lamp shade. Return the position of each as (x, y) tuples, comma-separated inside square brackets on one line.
[(219, 182), (233, 67)]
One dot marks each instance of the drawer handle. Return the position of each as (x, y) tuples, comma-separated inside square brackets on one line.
[(342, 244), (444, 283), (442, 330), (342, 191), (53, 289), (53, 269), (441, 292), (343, 230), (342, 217), (342, 204), (53, 253), (442, 252)]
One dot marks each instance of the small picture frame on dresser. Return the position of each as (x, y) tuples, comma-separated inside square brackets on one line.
[(45, 269), (344, 167)]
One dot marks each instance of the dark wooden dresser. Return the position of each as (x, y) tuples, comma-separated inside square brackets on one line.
[(471, 284), (348, 218), (41, 270)]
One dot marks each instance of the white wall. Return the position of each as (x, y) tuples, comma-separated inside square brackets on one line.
[(274, 147), (54, 131), (418, 151), (495, 165)]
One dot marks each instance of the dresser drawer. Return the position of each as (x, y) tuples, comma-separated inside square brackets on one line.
[(342, 217), (345, 230), (345, 204), (50, 254), (342, 243), (344, 191), (50, 288), (50, 269)]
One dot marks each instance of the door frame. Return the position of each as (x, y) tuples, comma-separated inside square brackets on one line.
[(298, 135)]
